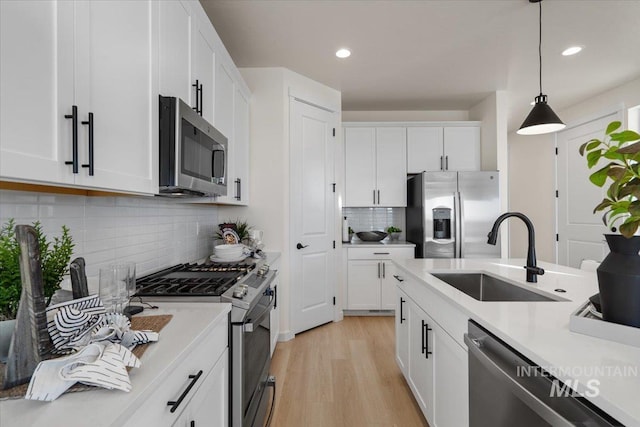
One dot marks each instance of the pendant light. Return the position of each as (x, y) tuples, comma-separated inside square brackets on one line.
[(541, 119)]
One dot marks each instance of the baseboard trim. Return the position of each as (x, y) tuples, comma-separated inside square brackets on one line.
[(369, 312), (285, 336)]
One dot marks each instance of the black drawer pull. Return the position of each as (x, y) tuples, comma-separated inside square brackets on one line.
[(402, 319), (398, 278), (381, 253), (174, 404), (425, 339)]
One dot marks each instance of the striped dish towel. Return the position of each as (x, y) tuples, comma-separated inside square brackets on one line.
[(98, 364)]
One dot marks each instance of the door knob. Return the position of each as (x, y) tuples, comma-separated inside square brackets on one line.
[(301, 246)]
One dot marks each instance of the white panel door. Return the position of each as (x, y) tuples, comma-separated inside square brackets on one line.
[(363, 285), (424, 149), (402, 332), (451, 378), (204, 69), (313, 207), (388, 286), (36, 86), (391, 167), (116, 81), (462, 148), (360, 166), (175, 31), (580, 231)]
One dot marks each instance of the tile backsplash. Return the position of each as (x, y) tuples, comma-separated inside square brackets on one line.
[(152, 232), (365, 219)]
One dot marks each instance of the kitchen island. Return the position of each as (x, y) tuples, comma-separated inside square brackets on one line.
[(195, 339), (538, 330)]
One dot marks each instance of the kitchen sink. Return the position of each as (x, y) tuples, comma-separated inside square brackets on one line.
[(484, 287)]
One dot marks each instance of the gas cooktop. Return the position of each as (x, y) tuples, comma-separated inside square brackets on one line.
[(210, 280)]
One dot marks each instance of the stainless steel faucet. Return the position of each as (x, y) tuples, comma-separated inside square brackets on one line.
[(533, 271)]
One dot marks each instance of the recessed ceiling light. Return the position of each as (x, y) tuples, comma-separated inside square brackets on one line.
[(571, 50), (343, 53)]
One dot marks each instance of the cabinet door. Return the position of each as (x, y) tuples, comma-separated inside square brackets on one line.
[(421, 371), (204, 67), (391, 167), (36, 82), (175, 33), (116, 81), (209, 406), (451, 380), (360, 173), (424, 149), (462, 148), (402, 332), (363, 285), (240, 182), (388, 286)]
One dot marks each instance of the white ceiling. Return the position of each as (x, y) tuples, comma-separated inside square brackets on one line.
[(438, 54)]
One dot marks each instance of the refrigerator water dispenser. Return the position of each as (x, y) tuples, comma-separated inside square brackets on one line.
[(441, 223)]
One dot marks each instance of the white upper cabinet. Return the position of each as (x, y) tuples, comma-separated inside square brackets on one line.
[(116, 88), (240, 182), (437, 148), (176, 27), (35, 138), (204, 67), (83, 75), (375, 166)]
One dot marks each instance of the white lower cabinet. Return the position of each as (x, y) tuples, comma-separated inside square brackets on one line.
[(434, 365), (370, 282), (209, 404), (274, 318), (197, 387)]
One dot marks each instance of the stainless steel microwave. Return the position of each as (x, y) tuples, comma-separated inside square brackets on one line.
[(193, 153)]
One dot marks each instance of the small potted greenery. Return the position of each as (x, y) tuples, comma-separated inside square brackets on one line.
[(351, 234), (241, 228), (619, 272), (55, 258), (394, 232)]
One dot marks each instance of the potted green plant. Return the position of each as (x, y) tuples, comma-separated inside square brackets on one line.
[(394, 232), (55, 257), (241, 228), (619, 272)]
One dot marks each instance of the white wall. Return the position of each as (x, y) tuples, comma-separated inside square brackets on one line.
[(405, 116), (532, 169), (152, 232), (269, 153)]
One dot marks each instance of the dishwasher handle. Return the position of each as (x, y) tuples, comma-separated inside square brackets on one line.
[(528, 398)]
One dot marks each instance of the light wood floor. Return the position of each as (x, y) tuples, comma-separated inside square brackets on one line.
[(343, 374)]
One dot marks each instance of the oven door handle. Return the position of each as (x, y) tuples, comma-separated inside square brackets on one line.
[(249, 326)]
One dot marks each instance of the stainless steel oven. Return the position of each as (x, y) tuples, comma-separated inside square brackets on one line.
[(193, 153), (252, 388)]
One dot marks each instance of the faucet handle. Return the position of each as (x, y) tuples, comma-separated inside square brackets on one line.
[(535, 270)]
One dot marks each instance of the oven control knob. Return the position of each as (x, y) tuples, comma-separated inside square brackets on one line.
[(238, 293)]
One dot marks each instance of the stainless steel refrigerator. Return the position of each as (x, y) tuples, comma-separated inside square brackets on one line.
[(449, 214)]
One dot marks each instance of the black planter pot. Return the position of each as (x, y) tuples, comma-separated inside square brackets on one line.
[(619, 281)]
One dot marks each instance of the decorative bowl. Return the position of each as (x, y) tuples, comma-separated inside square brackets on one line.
[(371, 236)]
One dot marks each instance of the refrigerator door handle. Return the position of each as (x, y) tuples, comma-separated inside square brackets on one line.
[(457, 226), (461, 225)]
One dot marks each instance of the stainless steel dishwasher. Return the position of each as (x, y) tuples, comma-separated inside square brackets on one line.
[(507, 389)]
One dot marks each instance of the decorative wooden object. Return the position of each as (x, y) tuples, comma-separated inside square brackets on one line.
[(30, 343), (78, 278)]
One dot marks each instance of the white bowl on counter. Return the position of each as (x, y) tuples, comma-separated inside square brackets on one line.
[(228, 251)]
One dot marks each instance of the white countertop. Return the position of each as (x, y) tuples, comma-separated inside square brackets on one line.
[(540, 330), (386, 242), (102, 407)]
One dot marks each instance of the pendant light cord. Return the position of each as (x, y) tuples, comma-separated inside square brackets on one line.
[(540, 43)]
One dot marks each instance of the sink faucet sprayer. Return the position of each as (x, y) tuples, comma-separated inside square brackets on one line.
[(532, 269)]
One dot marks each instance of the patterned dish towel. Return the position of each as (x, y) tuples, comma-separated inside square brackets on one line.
[(102, 343)]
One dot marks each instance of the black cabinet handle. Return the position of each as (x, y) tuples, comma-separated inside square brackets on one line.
[(174, 404), (446, 163), (384, 272), (378, 196), (197, 86), (425, 339), (398, 278), (275, 296), (402, 319), (238, 190), (201, 98), (74, 137), (90, 124), (378, 270), (441, 164), (374, 196), (192, 424)]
